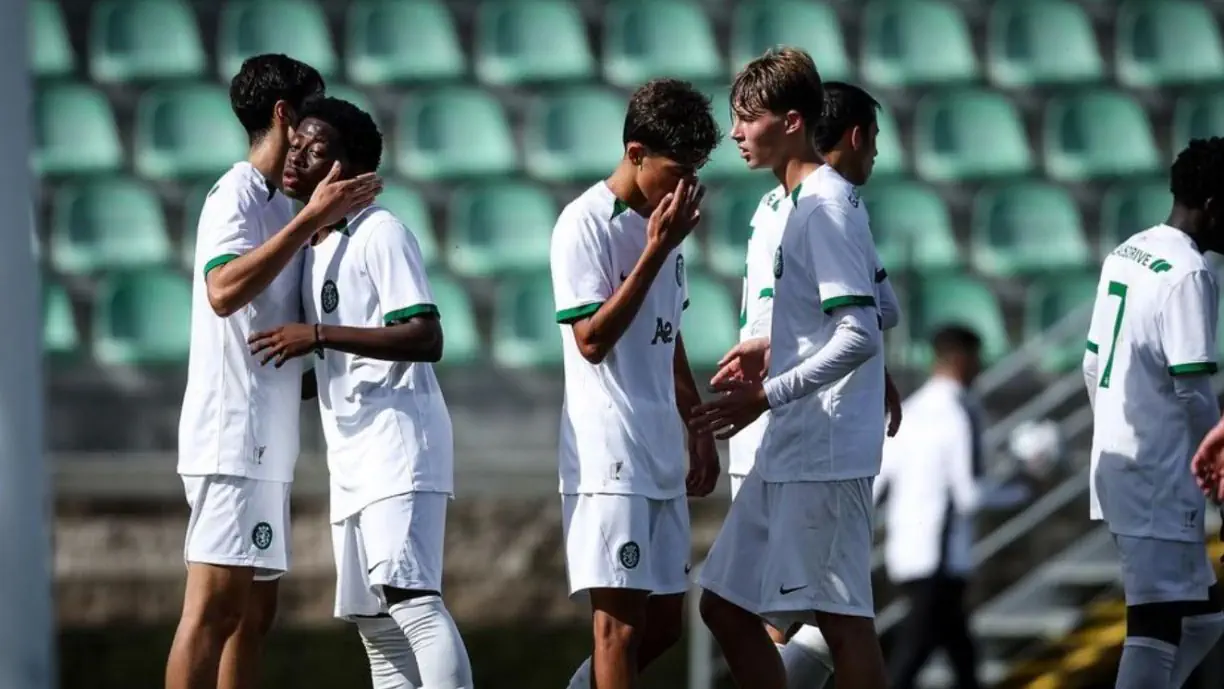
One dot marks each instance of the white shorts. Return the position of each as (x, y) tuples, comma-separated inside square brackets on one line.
[(626, 542), (1160, 571), (394, 542), (789, 549), (238, 522)]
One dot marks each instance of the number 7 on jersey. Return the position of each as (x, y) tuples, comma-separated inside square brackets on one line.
[(1116, 289)]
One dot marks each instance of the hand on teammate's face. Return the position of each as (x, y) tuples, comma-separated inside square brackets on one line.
[(335, 198), (703, 466), (283, 343), (731, 413)]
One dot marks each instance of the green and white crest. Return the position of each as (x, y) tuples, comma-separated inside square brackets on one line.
[(261, 535), (629, 555)]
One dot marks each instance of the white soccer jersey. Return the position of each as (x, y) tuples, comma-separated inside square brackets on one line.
[(620, 429), (1154, 318), (386, 424), (826, 259), (240, 418)]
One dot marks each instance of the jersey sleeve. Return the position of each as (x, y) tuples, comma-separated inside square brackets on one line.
[(1188, 325), (228, 226), (844, 264), (394, 264), (581, 271)]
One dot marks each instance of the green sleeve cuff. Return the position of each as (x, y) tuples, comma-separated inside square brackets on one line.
[(767, 292), (404, 314), (1092, 347), (849, 300), (218, 261), (1207, 367), (577, 313)]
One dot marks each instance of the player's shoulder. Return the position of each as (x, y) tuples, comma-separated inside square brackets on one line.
[(772, 200), (593, 210), (242, 184), (1167, 254), (376, 224)]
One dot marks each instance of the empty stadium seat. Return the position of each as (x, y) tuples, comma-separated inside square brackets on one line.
[(296, 28), (1025, 228), (531, 41), (911, 226), (409, 40), (710, 323), (729, 224), (574, 135), (74, 132), (938, 300), (1042, 42), (50, 51), (644, 39), (890, 153), (1197, 117), (186, 131), (1163, 42), (916, 42), (60, 336), (1130, 208), (812, 26), (131, 40), (107, 224), (969, 135), (500, 227), (1053, 298), (454, 133), (525, 332), (725, 162), (142, 317), (1097, 134), (460, 337), (412, 210)]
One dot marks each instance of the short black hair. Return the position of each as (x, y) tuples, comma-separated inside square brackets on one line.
[(954, 338), (671, 118), (265, 79), (845, 106), (359, 135), (1198, 173)]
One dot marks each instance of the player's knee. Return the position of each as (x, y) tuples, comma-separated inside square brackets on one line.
[(615, 634), (216, 600), (618, 617)]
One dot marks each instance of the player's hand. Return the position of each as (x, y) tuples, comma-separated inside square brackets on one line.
[(703, 465), (284, 343), (675, 216), (334, 198), (1207, 464), (747, 362), (742, 404), (892, 405)]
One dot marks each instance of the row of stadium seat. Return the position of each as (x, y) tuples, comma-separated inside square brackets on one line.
[(452, 133), (1029, 42), (502, 227)]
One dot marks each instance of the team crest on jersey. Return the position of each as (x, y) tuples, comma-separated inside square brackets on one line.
[(629, 555), (778, 263), (330, 296), (853, 197), (680, 270), (261, 535)]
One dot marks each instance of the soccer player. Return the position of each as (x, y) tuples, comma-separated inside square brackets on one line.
[(238, 433), (373, 324), (1151, 352), (796, 544), (620, 287)]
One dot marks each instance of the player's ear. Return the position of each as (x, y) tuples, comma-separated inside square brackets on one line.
[(282, 113), (794, 121), (635, 153)]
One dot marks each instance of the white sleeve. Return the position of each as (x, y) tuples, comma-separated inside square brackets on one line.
[(853, 342), (890, 307), (393, 262), (1089, 367), (843, 262), (581, 271), (1187, 325), (1202, 408), (762, 325), (228, 226), (958, 464)]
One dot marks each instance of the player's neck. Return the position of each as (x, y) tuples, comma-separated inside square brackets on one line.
[(268, 157), (948, 373), (1187, 220), (792, 173), (623, 184)]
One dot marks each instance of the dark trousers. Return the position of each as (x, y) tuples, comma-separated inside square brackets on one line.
[(936, 619)]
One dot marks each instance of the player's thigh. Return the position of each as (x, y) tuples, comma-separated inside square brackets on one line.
[(238, 522), (669, 550), (732, 568), (403, 538), (608, 542), (1162, 571)]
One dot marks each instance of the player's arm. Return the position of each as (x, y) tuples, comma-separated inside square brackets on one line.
[(310, 385), (890, 306), (687, 395), (1091, 362), (1187, 328)]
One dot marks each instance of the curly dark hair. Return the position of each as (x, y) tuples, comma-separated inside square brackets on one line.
[(671, 118), (1198, 172), (777, 82), (265, 79), (359, 136), (845, 106)]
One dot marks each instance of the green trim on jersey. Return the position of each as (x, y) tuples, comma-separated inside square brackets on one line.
[(766, 292), (578, 312), (1207, 367), (408, 312), (218, 261), (1092, 347), (849, 300), (794, 195), (618, 207)]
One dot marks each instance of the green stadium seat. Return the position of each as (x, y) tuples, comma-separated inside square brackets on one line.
[(193, 203), (61, 339), (710, 323), (531, 41), (1130, 208), (898, 41), (296, 28), (1164, 42), (1052, 299), (1197, 117), (730, 224), (969, 135), (644, 39), (454, 133), (939, 300), (134, 40), (890, 154), (1027, 228), (186, 131), (500, 227), (408, 40), (142, 317), (912, 227), (725, 162), (812, 26), (74, 132), (413, 210), (1098, 134), (1041, 42), (50, 50), (461, 339), (108, 224), (574, 135), (525, 333)]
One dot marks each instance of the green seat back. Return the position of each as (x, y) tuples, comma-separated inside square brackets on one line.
[(412, 210), (730, 224), (531, 41), (61, 339), (912, 227), (969, 135), (1041, 42), (1130, 208), (142, 317), (461, 339), (296, 28), (1167, 42), (402, 41), (74, 132), (132, 40), (574, 135), (1027, 228), (899, 38), (710, 323), (50, 50), (644, 39), (1050, 300), (186, 131), (108, 224), (501, 227), (525, 332), (454, 133), (811, 26), (1098, 134)]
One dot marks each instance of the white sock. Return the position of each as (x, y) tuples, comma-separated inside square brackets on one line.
[(392, 665), (1199, 635), (1146, 664), (582, 676), (440, 654), (807, 660)]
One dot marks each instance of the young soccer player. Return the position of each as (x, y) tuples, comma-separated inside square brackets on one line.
[(1151, 352), (238, 433), (796, 545), (373, 323), (619, 281)]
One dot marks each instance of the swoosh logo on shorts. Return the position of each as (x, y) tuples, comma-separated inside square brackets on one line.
[(783, 590)]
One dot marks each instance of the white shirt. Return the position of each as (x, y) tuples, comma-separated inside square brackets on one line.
[(387, 427), (621, 432), (1154, 318), (240, 418), (826, 260)]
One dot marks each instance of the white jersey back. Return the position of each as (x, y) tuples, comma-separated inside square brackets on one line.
[(826, 259), (620, 430), (386, 423), (240, 418), (1154, 318)]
